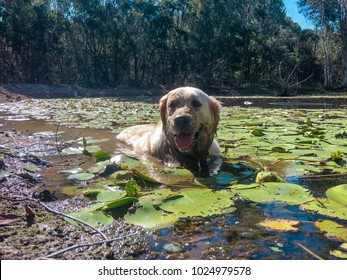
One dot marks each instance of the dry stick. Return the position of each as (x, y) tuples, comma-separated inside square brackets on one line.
[(70, 217), (309, 251), (58, 213), (85, 245)]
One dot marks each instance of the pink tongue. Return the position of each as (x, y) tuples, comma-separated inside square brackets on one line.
[(183, 141)]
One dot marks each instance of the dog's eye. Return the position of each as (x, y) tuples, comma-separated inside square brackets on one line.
[(172, 105), (196, 103)]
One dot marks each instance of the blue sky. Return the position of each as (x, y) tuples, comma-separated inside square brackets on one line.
[(293, 12)]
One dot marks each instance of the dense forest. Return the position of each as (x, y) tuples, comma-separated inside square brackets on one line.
[(98, 43)]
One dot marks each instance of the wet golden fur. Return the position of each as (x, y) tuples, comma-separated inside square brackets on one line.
[(200, 114)]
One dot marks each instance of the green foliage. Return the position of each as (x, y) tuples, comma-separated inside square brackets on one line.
[(338, 194), (149, 217), (101, 155), (332, 230), (113, 42), (287, 193), (198, 202), (81, 176), (132, 188)]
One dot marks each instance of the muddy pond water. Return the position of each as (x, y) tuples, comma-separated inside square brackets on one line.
[(280, 194)]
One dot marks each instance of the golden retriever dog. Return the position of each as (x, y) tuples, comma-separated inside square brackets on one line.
[(185, 134)]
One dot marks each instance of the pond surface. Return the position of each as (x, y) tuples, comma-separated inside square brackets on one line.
[(280, 194)]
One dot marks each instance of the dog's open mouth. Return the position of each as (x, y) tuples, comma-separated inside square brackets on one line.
[(184, 141)]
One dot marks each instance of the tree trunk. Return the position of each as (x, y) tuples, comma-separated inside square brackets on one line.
[(328, 74), (343, 32)]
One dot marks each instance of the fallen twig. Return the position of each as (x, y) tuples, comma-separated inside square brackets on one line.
[(57, 213), (84, 245), (309, 251), (69, 217)]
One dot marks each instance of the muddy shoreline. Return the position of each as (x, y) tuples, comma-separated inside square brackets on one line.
[(29, 229)]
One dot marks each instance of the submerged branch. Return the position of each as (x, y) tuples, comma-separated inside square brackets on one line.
[(309, 251)]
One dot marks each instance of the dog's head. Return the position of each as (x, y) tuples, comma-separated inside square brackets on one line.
[(190, 118)]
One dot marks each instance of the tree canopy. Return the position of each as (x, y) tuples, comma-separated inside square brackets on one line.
[(147, 42)]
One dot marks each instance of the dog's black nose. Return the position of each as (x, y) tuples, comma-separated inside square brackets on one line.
[(182, 121)]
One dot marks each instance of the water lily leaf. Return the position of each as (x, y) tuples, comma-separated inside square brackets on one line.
[(146, 177), (290, 194), (276, 249), (121, 175), (32, 168), (326, 207), (173, 248), (332, 230), (101, 155), (104, 168), (257, 132), (104, 196), (157, 196), (149, 217), (338, 194), (181, 172), (117, 203), (339, 254), (283, 225), (91, 193), (81, 176), (223, 178), (94, 218), (126, 162), (198, 202), (269, 176)]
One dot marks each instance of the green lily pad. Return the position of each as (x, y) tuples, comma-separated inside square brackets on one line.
[(32, 168), (198, 202), (326, 207), (79, 150), (104, 168), (338, 194), (268, 176), (339, 254), (282, 225), (332, 230), (126, 162), (290, 194), (223, 178), (94, 218), (181, 172), (104, 196), (117, 203), (257, 132), (81, 176), (149, 217), (101, 155), (157, 196)]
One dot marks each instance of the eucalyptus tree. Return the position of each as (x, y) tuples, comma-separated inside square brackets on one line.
[(331, 17)]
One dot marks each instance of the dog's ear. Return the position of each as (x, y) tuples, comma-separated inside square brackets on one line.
[(162, 108), (215, 108)]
